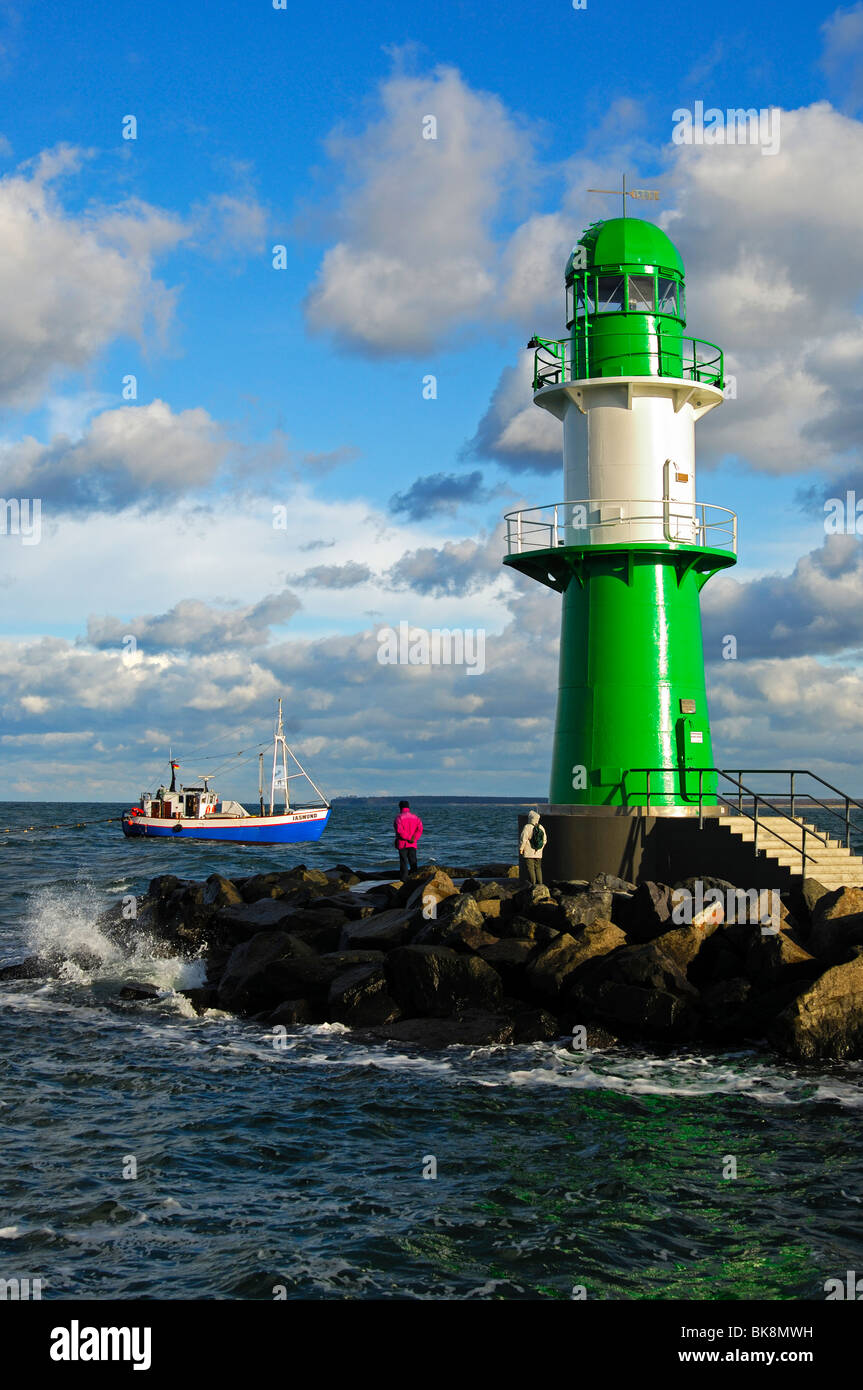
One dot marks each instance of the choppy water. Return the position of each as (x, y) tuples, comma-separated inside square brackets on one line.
[(259, 1167)]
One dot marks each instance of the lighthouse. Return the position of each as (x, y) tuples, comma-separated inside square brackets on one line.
[(629, 547)]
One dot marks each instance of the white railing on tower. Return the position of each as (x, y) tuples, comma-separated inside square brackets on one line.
[(605, 521)]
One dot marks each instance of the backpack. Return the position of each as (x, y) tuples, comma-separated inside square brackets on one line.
[(538, 837)]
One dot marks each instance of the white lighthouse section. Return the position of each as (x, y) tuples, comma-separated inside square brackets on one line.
[(629, 458)]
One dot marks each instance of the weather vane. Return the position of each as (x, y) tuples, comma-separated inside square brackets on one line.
[(647, 194)]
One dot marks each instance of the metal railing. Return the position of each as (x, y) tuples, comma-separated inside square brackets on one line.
[(757, 799), (557, 360), (661, 520), (794, 795)]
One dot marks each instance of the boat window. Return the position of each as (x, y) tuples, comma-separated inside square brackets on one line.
[(641, 292), (667, 298), (609, 293), (569, 302)]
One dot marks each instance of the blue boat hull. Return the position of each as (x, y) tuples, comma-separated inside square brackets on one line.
[(253, 830)]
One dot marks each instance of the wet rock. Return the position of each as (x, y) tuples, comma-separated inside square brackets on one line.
[(245, 921), (647, 913), (646, 967), (535, 1025), (553, 967), (837, 923), (136, 989), (435, 981), (825, 1020), (773, 958), (31, 968), (293, 1013), (509, 958), (653, 1013), (201, 997), (220, 892), (361, 999), (473, 1028), (383, 932), (247, 984)]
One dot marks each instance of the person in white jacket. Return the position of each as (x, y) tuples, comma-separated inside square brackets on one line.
[(530, 847)]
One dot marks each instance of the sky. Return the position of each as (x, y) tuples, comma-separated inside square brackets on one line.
[(263, 369)]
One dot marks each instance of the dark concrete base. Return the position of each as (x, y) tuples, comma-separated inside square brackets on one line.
[(638, 846)]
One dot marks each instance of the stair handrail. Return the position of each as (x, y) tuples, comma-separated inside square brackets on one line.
[(805, 772), (756, 797)]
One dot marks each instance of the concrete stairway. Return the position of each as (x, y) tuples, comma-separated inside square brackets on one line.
[(832, 864)]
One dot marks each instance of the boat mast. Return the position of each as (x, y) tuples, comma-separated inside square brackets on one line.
[(261, 781), (279, 743)]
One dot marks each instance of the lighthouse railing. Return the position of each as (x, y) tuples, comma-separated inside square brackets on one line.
[(794, 795), (757, 798), (608, 521), (556, 360)]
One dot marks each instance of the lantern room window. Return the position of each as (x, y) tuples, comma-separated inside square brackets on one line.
[(641, 293), (609, 293), (667, 297), (570, 315)]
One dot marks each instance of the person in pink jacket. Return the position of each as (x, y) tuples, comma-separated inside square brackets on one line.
[(408, 828)]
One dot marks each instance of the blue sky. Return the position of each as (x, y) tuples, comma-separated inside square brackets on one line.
[(259, 388)]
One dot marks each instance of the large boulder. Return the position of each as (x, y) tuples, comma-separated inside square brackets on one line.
[(246, 985), (509, 958), (553, 967), (361, 999), (430, 892), (682, 944), (647, 913), (432, 880), (652, 1013), (523, 929), (459, 924), (583, 909), (825, 1020), (247, 919), (395, 927), (354, 906), (220, 892), (433, 981), (273, 885), (837, 923), (773, 958)]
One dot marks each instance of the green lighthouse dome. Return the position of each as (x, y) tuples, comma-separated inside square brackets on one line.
[(625, 301)]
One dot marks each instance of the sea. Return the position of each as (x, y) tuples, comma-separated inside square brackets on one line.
[(148, 1153)]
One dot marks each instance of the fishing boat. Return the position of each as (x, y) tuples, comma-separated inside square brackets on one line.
[(196, 813)]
